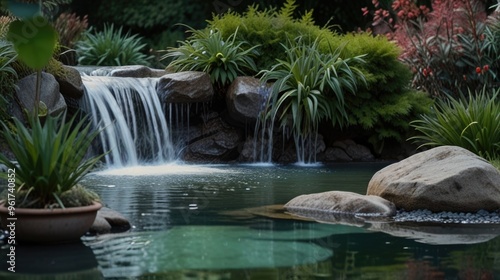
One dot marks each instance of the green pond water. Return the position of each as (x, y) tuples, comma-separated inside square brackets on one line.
[(204, 222)]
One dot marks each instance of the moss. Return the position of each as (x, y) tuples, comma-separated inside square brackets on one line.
[(75, 197)]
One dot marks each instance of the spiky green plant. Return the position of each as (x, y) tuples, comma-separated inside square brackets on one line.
[(207, 51), (472, 123), (111, 47), (309, 87), (51, 158)]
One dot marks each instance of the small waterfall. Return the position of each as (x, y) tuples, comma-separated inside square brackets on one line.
[(129, 112)]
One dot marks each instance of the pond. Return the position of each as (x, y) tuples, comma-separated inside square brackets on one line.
[(207, 222)]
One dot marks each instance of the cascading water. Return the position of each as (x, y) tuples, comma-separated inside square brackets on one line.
[(129, 112)]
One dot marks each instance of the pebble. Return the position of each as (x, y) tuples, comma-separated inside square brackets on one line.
[(481, 217)]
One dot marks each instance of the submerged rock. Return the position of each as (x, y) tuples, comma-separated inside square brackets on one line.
[(446, 178)]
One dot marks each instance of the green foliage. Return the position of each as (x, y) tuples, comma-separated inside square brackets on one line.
[(207, 51), (384, 108), (8, 76), (148, 14), (309, 87), (496, 163), (473, 124), (111, 47), (269, 28), (34, 40), (51, 157)]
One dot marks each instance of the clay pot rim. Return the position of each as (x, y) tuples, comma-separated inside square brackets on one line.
[(39, 211)]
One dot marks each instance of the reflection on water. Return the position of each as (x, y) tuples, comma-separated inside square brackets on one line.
[(200, 222)]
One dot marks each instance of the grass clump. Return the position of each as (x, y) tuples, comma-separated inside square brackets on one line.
[(111, 47), (471, 122)]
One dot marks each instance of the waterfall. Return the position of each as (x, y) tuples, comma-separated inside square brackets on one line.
[(130, 115)]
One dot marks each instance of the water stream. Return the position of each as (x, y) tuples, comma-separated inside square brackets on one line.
[(133, 123)]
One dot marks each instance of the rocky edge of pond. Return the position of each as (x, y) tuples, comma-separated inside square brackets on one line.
[(446, 184)]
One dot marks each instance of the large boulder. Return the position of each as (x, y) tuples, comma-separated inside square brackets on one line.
[(446, 178), (244, 99), (49, 94), (185, 87), (341, 202)]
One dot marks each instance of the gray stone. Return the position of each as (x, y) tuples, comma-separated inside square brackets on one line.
[(100, 225), (217, 142), (70, 84), (49, 94), (185, 87), (336, 154), (348, 150), (446, 178), (132, 71), (342, 202), (245, 97), (108, 220)]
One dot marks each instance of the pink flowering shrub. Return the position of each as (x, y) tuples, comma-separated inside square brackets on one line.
[(451, 47)]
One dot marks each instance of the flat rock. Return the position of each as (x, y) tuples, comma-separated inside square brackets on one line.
[(446, 178), (341, 202), (185, 87)]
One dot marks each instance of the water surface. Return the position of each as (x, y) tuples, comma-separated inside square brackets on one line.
[(203, 222)]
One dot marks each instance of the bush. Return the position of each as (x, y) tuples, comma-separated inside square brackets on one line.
[(450, 46), (207, 51), (384, 108), (472, 123), (70, 28), (111, 47), (268, 29), (8, 77), (310, 96)]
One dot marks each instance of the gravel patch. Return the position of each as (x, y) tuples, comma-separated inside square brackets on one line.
[(481, 217)]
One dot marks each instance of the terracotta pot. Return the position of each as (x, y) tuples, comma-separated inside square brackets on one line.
[(50, 225)]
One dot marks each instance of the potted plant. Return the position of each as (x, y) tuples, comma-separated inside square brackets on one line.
[(43, 193)]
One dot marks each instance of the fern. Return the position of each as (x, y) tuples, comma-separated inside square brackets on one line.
[(288, 9), (307, 18)]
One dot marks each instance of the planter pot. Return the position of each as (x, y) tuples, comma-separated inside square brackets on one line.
[(50, 225)]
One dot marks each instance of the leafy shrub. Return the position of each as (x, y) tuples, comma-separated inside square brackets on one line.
[(268, 29), (111, 47), (149, 14), (473, 124), (385, 106), (447, 46), (50, 157), (207, 51), (8, 77), (309, 87)]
